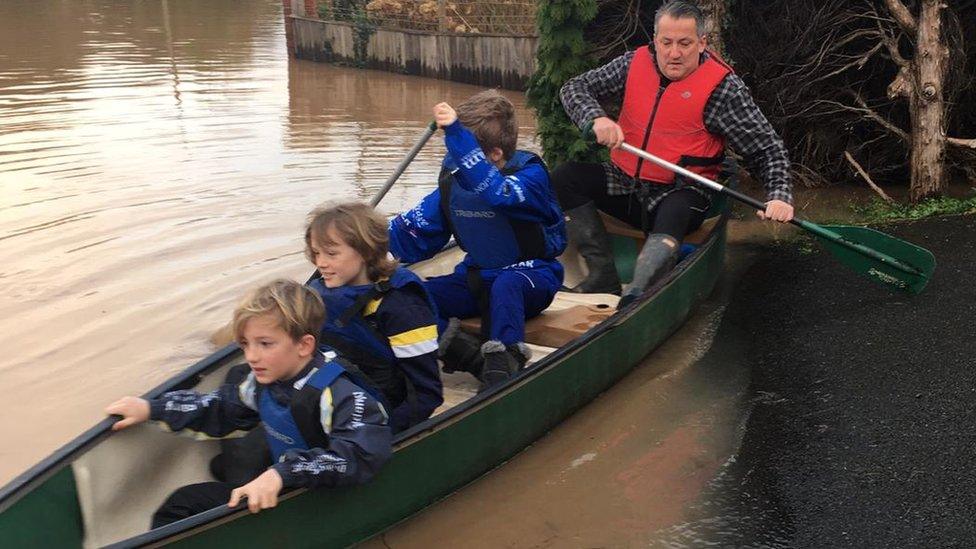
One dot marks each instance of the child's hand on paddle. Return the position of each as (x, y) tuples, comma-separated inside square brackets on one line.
[(261, 493), (777, 210), (444, 115), (133, 410)]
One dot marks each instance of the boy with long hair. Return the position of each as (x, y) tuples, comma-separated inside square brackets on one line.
[(379, 314)]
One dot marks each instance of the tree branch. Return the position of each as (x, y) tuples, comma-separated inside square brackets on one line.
[(892, 44), (864, 174), (901, 14), (968, 143), (881, 120), (870, 114)]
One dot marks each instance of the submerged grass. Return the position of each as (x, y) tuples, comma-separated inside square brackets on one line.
[(879, 211)]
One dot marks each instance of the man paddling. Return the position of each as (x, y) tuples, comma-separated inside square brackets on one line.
[(684, 104)]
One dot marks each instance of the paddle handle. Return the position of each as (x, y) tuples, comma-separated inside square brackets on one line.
[(402, 167)]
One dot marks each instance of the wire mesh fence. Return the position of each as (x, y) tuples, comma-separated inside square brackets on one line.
[(512, 17)]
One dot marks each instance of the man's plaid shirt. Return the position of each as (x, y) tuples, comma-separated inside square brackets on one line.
[(729, 112)]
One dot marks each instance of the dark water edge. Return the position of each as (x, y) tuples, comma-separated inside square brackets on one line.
[(860, 432)]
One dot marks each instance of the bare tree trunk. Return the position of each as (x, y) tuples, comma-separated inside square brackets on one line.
[(921, 81), (715, 12), (928, 106)]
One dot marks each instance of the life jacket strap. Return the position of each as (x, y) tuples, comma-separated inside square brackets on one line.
[(379, 288), (482, 295)]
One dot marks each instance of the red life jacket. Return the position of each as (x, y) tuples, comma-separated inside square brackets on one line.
[(671, 125)]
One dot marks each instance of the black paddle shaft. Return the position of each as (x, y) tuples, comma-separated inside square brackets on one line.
[(431, 128)]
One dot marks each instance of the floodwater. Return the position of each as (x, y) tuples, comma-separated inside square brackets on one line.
[(157, 158)]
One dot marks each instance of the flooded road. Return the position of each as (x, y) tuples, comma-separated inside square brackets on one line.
[(156, 159)]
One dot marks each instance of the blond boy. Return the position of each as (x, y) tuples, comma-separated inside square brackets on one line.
[(323, 428)]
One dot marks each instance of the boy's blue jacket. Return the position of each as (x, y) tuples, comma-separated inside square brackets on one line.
[(484, 202), (355, 439)]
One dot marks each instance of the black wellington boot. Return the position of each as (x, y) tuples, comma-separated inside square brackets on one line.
[(502, 362), (585, 229), (460, 351), (656, 259)]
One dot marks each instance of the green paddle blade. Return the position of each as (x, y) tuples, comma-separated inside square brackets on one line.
[(883, 258)]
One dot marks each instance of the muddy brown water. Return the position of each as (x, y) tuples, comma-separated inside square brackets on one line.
[(158, 158)]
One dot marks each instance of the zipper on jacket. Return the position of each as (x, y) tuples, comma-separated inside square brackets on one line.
[(647, 132)]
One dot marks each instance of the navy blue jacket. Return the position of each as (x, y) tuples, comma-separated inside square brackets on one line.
[(398, 327)]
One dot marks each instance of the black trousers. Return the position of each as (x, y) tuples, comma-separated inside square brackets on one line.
[(678, 213), (191, 500)]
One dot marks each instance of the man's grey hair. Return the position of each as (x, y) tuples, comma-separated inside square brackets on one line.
[(681, 9)]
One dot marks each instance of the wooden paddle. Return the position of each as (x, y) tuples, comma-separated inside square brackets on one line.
[(225, 335), (890, 261)]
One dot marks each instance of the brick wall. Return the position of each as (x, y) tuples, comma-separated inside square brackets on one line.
[(312, 9)]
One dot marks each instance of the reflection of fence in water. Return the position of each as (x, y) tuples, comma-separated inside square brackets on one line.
[(515, 17)]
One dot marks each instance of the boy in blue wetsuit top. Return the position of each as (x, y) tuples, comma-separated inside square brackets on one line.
[(322, 426), (497, 203), (378, 315)]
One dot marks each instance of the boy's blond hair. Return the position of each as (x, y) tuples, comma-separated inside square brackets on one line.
[(297, 309), (361, 227), (491, 118)]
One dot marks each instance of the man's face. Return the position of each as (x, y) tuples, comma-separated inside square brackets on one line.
[(677, 46)]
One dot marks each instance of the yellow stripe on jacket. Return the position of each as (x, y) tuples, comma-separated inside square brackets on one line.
[(416, 342)]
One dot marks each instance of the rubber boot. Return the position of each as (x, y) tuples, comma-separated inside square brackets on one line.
[(656, 259), (460, 351), (585, 229), (502, 362)]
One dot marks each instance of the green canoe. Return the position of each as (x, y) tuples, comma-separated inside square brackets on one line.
[(101, 488)]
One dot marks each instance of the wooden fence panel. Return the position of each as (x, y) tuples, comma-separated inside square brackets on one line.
[(485, 60)]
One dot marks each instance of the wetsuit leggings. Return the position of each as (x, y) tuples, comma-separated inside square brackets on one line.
[(677, 214), (191, 500)]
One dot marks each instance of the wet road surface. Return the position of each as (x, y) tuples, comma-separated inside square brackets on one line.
[(863, 405)]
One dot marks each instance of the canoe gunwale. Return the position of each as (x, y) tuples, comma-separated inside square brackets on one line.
[(31, 478), (36, 475)]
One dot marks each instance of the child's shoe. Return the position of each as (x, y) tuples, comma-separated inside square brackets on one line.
[(502, 362), (460, 351)]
